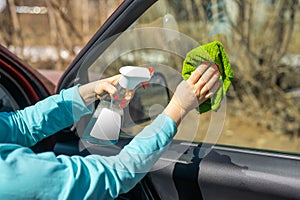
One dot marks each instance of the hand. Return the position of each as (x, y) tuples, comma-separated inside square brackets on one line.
[(89, 91), (200, 86)]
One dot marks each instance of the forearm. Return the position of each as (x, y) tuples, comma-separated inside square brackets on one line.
[(138, 157), (175, 112), (94, 176), (87, 92)]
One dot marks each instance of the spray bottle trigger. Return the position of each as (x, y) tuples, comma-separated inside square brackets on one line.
[(145, 85)]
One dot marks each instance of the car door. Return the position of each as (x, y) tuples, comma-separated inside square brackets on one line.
[(143, 32), (22, 86)]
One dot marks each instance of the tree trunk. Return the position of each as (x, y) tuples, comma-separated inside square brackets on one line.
[(85, 19), (17, 35)]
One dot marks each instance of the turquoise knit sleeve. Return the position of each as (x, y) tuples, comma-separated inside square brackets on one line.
[(27, 127), (26, 175)]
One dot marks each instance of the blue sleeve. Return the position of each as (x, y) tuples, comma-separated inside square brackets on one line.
[(45, 176), (27, 127)]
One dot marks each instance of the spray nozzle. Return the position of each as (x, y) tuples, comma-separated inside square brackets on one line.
[(132, 76)]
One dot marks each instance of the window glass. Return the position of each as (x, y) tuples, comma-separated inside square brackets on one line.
[(260, 38)]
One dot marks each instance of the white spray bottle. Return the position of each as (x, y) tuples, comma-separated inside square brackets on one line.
[(105, 124)]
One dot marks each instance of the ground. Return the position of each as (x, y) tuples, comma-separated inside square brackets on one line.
[(242, 132)]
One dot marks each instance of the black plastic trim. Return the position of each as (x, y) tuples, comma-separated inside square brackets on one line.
[(224, 173), (23, 70)]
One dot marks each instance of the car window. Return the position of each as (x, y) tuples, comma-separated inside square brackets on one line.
[(261, 109), (49, 34), (260, 38)]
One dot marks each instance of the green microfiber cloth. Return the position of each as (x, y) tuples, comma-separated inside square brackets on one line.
[(212, 52)]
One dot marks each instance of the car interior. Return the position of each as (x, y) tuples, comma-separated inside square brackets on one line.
[(207, 158)]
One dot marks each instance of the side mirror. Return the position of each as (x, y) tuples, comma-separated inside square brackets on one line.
[(147, 103)]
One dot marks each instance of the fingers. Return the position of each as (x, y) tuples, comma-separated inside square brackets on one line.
[(208, 81), (107, 86), (207, 76), (129, 95), (113, 80), (213, 90), (204, 81), (98, 88), (195, 76)]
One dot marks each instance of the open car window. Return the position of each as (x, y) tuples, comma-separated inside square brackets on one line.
[(49, 34), (261, 109), (260, 39)]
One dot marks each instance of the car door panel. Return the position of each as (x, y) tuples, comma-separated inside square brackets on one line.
[(25, 86), (229, 173), (33, 85), (249, 174), (224, 173)]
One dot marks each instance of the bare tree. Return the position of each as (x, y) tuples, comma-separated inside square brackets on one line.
[(85, 18), (17, 38), (258, 68), (258, 39)]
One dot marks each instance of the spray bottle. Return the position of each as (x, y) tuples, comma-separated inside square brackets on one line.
[(105, 124)]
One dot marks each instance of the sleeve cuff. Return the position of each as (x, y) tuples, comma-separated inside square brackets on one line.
[(154, 137), (78, 106)]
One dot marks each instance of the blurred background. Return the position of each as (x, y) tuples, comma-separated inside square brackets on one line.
[(261, 38), (49, 33)]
